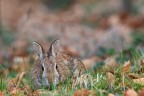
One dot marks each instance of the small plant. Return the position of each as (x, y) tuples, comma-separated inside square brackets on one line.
[(2, 84)]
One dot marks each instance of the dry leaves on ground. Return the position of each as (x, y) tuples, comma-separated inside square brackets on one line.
[(14, 88), (110, 78), (110, 64), (111, 94), (1, 93), (126, 67), (133, 76), (16, 81), (139, 81), (141, 92), (84, 92), (90, 62), (130, 92)]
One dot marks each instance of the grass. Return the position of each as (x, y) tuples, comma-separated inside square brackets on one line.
[(97, 79), (2, 84)]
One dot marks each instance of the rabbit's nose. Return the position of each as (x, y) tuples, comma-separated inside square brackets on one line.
[(56, 81)]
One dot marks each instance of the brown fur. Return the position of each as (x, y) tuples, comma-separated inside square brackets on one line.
[(68, 66), (54, 66)]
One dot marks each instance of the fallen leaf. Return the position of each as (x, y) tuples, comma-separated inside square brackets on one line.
[(1, 94), (20, 78), (12, 83), (110, 94), (130, 92), (36, 93), (139, 81), (14, 92), (111, 79), (110, 64), (84, 92), (141, 92), (133, 76), (17, 92), (28, 90), (126, 67), (90, 62), (135, 22)]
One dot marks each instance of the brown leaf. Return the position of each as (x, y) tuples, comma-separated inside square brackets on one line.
[(110, 64), (84, 92), (12, 83), (1, 94), (17, 92), (20, 78), (89, 62), (130, 92), (14, 92), (126, 67), (139, 81), (28, 90), (141, 92), (36, 93), (110, 94), (133, 76), (110, 77)]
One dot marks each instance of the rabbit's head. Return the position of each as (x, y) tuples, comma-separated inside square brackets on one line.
[(47, 62)]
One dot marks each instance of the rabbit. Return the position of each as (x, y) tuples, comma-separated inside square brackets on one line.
[(54, 66)]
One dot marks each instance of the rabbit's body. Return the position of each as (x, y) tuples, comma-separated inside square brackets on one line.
[(68, 66), (54, 66), (35, 75)]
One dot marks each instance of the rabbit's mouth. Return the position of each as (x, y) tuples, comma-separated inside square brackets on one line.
[(45, 82)]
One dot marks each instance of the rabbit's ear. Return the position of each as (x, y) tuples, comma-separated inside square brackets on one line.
[(54, 48), (38, 49)]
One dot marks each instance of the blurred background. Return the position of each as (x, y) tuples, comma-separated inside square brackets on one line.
[(86, 28)]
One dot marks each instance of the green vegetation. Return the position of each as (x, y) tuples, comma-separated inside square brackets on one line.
[(97, 80), (6, 35)]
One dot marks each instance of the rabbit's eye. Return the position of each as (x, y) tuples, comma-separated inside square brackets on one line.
[(56, 67), (42, 68)]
